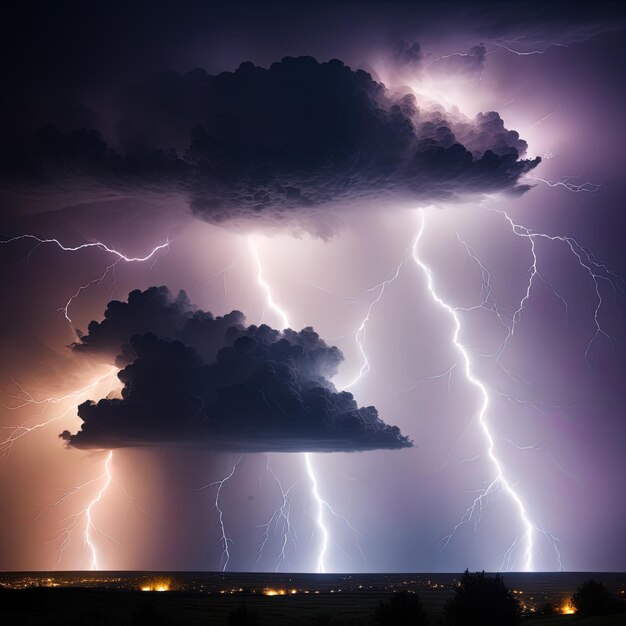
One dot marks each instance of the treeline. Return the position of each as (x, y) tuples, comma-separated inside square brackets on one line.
[(479, 600)]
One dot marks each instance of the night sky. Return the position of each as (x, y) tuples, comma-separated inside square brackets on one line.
[(312, 286)]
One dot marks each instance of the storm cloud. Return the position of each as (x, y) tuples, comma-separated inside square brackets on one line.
[(278, 144), (225, 386), (157, 311)]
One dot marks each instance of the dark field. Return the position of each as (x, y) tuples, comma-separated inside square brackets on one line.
[(208, 598)]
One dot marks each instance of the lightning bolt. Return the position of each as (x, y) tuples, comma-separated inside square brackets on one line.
[(280, 516), (359, 335), (89, 524), (596, 270), (569, 183), (599, 274), (531, 52), (271, 304), (320, 502), (83, 517), (17, 432), (225, 540), (24, 398), (549, 115), (98, 245), (500, 479), (321, 523)]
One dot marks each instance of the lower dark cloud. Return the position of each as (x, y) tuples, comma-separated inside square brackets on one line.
[(157, 311), (277, 145), (225, 386)]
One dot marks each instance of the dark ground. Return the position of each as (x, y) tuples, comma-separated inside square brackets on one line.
[(96, 607)]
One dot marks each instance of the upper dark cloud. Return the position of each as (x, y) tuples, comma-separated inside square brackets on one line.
[(405, 53), (278, 144), (217, 384)]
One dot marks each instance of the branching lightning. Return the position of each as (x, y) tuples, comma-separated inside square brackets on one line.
[(596, 270), (569, 183), (280, 520), (25, 398), (359, 336), (599, 273), (89, 524), (74, 520), (98, 245), (321, 504), (224, 539), (500, 479), (83, 517)]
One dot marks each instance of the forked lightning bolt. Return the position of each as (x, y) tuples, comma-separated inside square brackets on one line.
[(596, 270), (83, 517), (280, 520), (271, 304), (89, 524), (569, 183), (225, 540), (17, 432), (98, 245), (359, 336), (25, 398), (500, 479), (321, 504)]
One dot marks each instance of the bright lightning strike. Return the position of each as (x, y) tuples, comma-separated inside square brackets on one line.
[(500, 477), (280, 519), (271, 304), (96, 244), (84, 516), (324, 532), (17, 432), (225, 540), (321, 504), (89, 524)]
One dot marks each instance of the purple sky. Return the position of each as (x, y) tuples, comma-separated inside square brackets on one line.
[(556, 399)]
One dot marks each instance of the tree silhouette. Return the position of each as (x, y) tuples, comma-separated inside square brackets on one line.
[(403, 609), (593, 598), (481, 600)]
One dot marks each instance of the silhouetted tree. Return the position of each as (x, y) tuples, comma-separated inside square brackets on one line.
[(593, 598), (481, 600), (403, 609), (243, 616)]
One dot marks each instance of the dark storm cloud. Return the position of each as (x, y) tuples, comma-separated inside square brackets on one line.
[(155, 310), (405, 53), (224, 386), (278, 144)]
